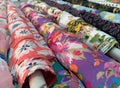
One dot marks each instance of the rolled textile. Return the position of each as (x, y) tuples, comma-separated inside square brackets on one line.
[(63, 18), (103, 14), (28, 50), (6, 78), (110, 28), (77, 57), (99, 6), (113, 17), (114, 3)]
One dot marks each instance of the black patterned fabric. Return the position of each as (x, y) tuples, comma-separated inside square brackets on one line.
[(95, 5)]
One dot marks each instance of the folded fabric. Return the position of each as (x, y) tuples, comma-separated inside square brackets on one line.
[(78, 58), (110, 28), (28, 50)]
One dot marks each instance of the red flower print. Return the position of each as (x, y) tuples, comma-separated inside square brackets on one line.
[(77, 53)]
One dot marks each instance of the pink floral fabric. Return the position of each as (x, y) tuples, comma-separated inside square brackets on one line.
[(28, 50), (6, 78)]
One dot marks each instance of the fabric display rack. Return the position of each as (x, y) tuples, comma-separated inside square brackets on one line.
[(60, 44)]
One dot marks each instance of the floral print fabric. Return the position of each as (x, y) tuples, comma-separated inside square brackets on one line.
[(108, 27), (6, 78), (65, 79), (77, 57), (28, 50), (89, 34), (93, 37)]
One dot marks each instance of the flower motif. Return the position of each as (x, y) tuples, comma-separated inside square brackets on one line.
[(37, 37), (24, 48), (30, 65), (33, 30), (77, 52), (16, 25), (113, 66), (22, 32)]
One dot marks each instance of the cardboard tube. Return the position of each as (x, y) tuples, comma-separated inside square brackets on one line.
[(114, 53), (36, 80)]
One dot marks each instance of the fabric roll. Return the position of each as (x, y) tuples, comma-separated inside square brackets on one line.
[(78, 58), (100, 6), (91, 36), (4, 45), (110, 28), (114, 3), (28, 50), (113, 17)]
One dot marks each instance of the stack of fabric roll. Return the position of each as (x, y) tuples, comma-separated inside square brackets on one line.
[(70, 49), (28, 50), (93, 37), (58, 44), (109, 29), (29, 53)]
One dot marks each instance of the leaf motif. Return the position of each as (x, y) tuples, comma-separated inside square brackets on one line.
[(100, 75), (95, 38)]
